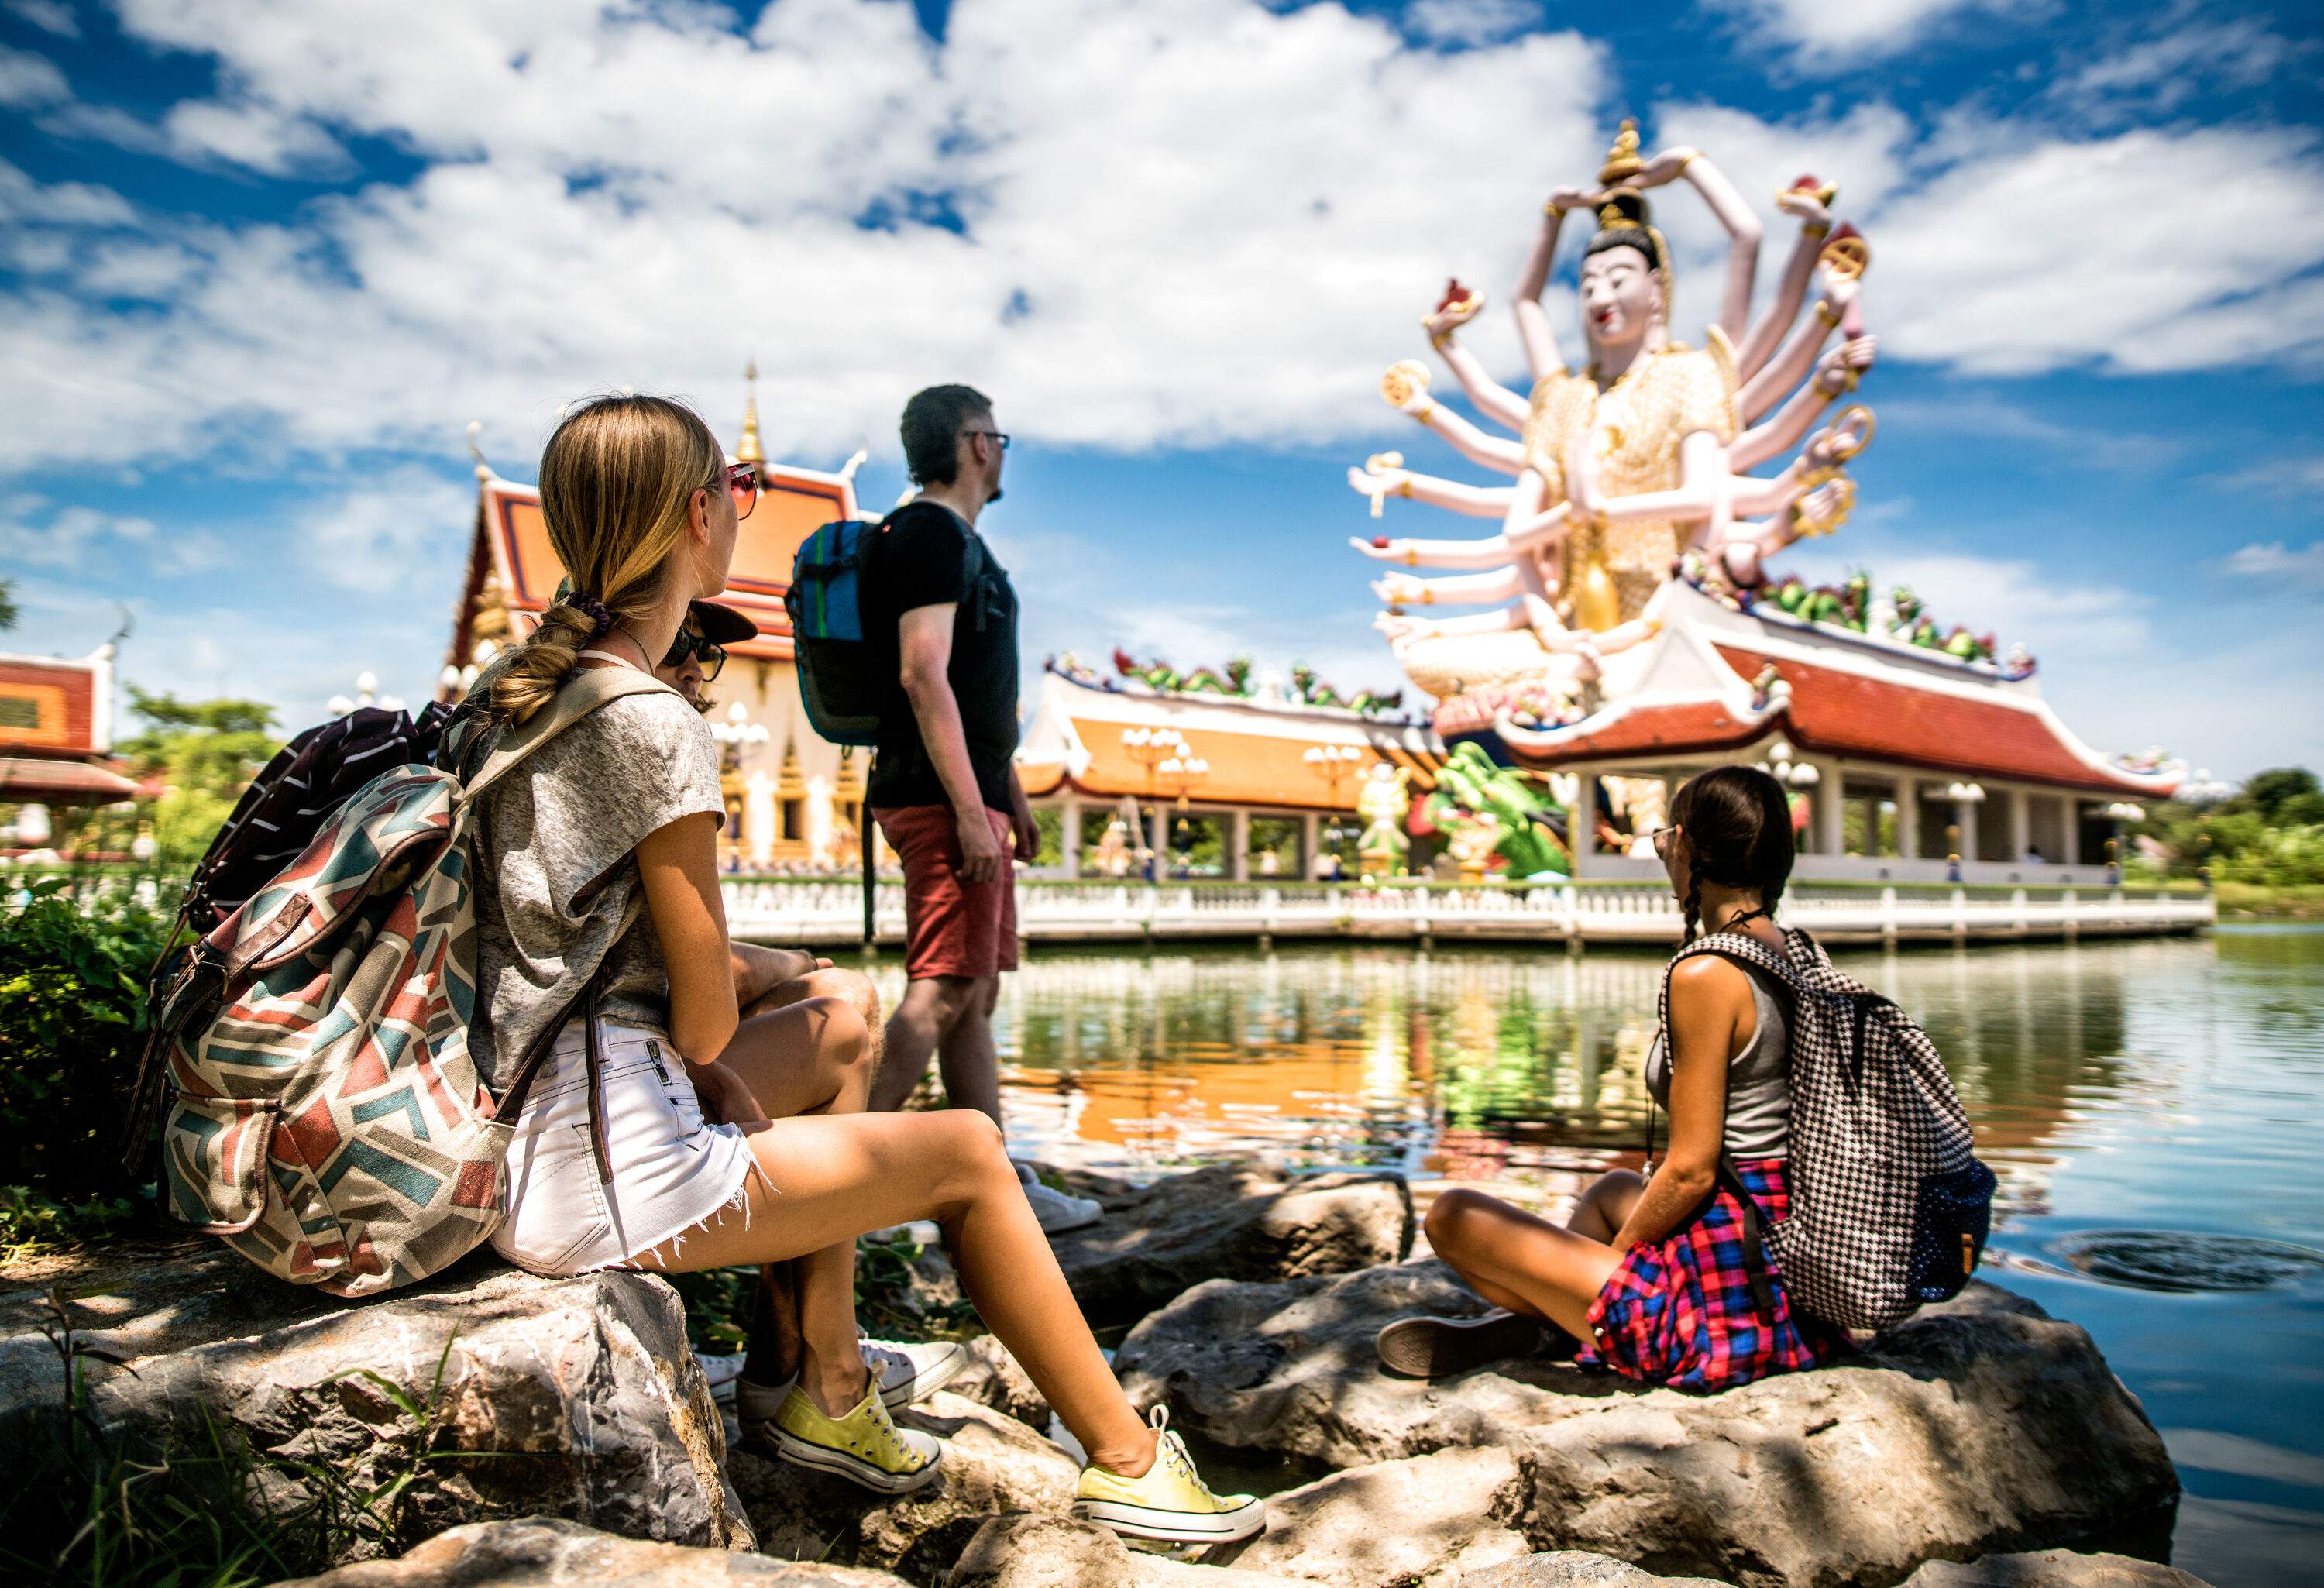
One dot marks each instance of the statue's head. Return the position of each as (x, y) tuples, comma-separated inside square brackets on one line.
[(1626, 276)]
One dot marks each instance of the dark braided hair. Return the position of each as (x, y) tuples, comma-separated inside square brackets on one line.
[(1738, 825)]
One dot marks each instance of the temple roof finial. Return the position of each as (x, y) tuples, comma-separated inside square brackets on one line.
[(748, 449)]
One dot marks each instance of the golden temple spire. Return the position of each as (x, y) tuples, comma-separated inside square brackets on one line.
[(748, 450)]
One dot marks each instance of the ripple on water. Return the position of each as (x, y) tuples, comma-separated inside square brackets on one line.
[(2174, 1259)]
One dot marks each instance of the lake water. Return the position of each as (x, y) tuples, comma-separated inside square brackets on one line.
[(2154, 1110)]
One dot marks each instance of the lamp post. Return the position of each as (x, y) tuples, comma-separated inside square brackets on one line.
[(1966, 799), (1331, 763), (2123, 813), (1151, 748), (1182, 772), (367, 694)]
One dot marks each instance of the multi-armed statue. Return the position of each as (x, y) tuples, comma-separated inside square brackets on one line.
[(1640, 457)]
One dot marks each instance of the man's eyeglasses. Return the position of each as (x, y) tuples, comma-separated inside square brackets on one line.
[(711, 657), (997, 437), (741, 480)]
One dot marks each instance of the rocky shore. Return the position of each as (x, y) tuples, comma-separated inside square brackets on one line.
[(552, 1431)]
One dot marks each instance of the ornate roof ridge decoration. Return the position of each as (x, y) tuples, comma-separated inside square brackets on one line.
[(1854, 610), (1232, 683)]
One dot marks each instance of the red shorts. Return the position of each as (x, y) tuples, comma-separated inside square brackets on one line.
[(950, 927)]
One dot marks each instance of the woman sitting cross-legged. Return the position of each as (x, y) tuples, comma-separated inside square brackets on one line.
[(1651, 1273), (722, 1148)]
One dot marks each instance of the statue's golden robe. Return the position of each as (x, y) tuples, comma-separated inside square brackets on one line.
[(1636, 425)]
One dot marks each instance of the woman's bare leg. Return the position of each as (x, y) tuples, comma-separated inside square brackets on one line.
[(828, 1180), (805, 1058), (1605, 1204), (1517, 1260)]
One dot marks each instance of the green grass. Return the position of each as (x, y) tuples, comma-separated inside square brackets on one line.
[(2296, 901)]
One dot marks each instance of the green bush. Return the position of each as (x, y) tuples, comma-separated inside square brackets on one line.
[(72, 1020)]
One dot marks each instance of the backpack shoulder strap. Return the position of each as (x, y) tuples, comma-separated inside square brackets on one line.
[(582, 694)]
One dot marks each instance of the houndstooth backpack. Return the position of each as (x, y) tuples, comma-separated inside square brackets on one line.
[(1889, 1205), (325, 1116)]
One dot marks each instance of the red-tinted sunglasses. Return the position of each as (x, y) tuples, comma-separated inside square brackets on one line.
[(743, 484)]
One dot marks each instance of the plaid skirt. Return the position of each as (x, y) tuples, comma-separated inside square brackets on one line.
[(1678, 1311)]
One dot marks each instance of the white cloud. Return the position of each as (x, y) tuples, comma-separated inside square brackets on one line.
[(51, 17), (72, 537), (1470, 21), (1822, 34), (2159, 75), (2282, 476), (387, 532), (1183, 222), (29, 81), (2272, 559)]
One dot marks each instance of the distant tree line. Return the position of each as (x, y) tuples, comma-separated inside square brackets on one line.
[(2269, 833)]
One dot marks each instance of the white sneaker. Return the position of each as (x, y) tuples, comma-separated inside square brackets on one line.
[(907, 1370), (1057, 1211)]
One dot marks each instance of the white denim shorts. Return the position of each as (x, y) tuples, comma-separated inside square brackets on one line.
[(672, 1171)]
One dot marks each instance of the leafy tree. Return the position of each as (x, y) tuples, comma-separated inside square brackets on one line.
[(206, 750), (2269, 792), (8, 613)]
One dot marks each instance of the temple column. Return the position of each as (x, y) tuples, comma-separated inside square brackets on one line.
[(1311, 843), (1239, 845), (1069, 838), (1160, 841), (1582, 830), (2021, 834), (1965, 817), (2069, 839), (1908, 818), (1831, 795)]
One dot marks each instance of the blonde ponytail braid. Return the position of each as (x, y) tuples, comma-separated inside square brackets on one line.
[(615, 480)]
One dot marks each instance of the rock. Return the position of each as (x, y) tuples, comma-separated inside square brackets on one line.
[(1574, 1568), (1058, 1552), (1422, 1521), (2051, 1568), (1230, 1222), (583, 1390), (1291, 1369), (991, 1463), (1978, 1427), (540, 1551), (992, 1378)]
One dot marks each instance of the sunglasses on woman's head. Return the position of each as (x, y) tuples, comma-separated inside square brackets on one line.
[(711, 657)]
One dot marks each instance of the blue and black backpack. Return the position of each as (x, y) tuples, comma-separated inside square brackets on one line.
[(847, 667)]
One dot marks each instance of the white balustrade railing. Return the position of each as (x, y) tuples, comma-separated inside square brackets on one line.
[(830, 910)]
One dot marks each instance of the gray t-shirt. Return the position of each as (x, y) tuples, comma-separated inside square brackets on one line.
[(1758, 1082), (556, 868)]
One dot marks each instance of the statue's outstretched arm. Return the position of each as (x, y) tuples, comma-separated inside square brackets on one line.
[(1791, 365), (1533, 320), (1841, 369), (1474, 501), (1467, 439), (1743, 229), (1492, 551), (1459, 590), (1500, 620), (1815, 226), (1700, 495), (1493, 399)]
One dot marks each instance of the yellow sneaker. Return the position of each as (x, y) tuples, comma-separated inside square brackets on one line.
[(864, 1446), (1170, 1502)]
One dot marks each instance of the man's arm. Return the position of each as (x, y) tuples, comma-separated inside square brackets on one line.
[(1023, 828), (923, 637)]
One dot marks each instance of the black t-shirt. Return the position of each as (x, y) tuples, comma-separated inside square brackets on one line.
[(923, 554)]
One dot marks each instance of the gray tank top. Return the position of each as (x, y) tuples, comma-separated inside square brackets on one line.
[(1758, 1082)]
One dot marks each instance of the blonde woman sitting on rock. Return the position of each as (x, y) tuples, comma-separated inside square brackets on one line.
[(706, 1144)]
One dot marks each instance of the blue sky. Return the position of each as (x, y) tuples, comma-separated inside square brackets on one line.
[(262, 261)]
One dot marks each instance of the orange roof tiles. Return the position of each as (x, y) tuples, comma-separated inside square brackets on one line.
[(1246, 769), (1846, 713), (48, 709)]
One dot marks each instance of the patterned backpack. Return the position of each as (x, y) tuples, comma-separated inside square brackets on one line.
[(1889, 1205), (325, 1117)]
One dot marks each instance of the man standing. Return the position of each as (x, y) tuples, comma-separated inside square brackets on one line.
[(943, 783)]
